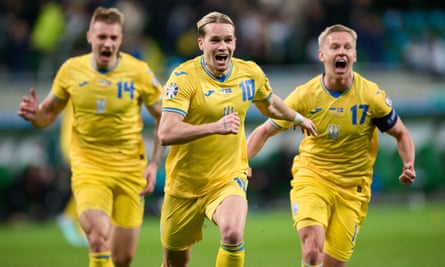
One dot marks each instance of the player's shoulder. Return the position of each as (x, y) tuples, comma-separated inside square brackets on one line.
[(307, 89), (75, 64), (129, 59), (247, 68), (190, 64), (366, 84), (314, 80), (134, 67), (309, 85), (245, 64), (359, 78), (76, 60), (187, 69)]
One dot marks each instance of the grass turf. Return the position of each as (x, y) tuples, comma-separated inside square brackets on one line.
[(392, 235)]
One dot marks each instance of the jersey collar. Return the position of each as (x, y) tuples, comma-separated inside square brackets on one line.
[(220, 79), (335, 94), (103, 71)]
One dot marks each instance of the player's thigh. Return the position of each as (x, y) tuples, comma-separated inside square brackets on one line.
[(343, 229), (128, 205), (92, 192), (181, 222), (310, 203), (228, 203)]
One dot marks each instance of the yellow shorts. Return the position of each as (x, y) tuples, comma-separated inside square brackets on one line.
[(313, 203), (114, 193), (182, 219)]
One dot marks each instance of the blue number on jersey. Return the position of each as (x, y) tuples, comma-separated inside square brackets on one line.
[(354, 110), (125, 87), (248, 88)]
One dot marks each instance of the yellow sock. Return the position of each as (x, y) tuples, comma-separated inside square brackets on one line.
[(101, 259), (230, 255)]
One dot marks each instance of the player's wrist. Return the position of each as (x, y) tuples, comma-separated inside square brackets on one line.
[(407, 166), (298, 118), (154, 163)]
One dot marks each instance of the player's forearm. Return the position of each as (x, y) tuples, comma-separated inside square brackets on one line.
[(277, 109), (406, 149), (254, 144), (256, 141), (405, 144), (158, 149), (182, 132), (43, 118), (47, 111)]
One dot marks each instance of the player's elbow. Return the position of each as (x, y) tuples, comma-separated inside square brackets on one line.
[(164, 136), (169, 135)]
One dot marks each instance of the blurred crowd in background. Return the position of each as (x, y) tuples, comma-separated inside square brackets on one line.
[(37, 36)]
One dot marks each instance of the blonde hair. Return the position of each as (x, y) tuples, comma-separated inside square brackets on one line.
[(107, 15), (212, 17), (336, 28)]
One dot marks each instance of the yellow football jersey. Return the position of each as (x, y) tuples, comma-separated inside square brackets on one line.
[(107, 120), (66, 126), (345, 149), (197, 166)]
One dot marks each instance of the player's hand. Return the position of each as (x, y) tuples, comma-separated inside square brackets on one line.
[(229, 124), (408, 175), (307, 127), (29, 106), (150, 175)]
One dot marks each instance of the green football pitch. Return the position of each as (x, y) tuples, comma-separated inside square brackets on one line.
[(392, 235)]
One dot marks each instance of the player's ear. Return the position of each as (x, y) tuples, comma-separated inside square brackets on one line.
[(320, 56), (201, 44), (88, 37)]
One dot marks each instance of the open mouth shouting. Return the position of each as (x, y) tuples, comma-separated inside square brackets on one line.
[(221, 59), (340, 65), (105, 56)]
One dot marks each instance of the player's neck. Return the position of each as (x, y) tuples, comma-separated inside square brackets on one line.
[(106, 68), (220, 76), (334, 84)]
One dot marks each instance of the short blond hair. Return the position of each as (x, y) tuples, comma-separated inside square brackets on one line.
[(108, 15), (336, 28), (212, 17)]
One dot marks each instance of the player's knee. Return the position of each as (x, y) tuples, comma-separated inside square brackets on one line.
[(313, 257), (232, 236), (122, 260), (176, 258), (97, 241), (312, 251)]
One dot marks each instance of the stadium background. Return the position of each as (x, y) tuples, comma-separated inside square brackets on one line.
[(401, 46)]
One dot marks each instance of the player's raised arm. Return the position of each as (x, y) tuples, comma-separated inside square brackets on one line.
[(274, 107), (43, 114)]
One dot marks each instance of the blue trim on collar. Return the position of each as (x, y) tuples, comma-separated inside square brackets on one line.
[(219, 79)]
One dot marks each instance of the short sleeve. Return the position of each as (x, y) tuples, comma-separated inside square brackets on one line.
[(152, 88), (61, 82), (178, 92)]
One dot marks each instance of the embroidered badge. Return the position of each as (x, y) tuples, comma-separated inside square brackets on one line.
[(171, 90)]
